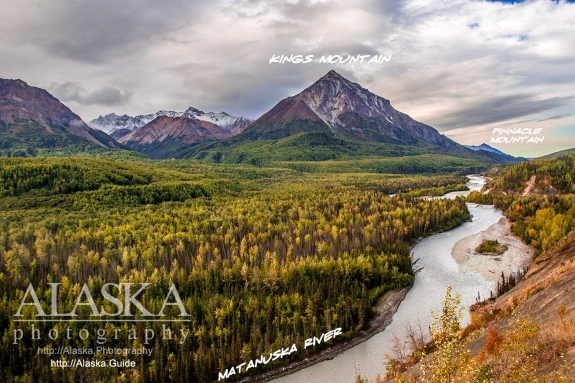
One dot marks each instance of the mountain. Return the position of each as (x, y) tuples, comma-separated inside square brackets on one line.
[(338, 106), (333, 118), (485, 147), (119, 126), (164, 136), (33, 121)]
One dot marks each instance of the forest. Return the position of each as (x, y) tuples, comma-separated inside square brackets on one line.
[(262, 257)]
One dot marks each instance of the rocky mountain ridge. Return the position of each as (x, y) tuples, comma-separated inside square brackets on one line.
[(119, 126)]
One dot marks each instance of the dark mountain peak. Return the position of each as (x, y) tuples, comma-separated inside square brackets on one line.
[(6, 82), (20, 101)]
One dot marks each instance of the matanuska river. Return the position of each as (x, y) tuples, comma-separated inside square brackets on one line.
[(439, 271)]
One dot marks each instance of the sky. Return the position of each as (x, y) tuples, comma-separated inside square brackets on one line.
[(465, 67)]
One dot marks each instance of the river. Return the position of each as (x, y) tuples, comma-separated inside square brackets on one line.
[(439, 270)]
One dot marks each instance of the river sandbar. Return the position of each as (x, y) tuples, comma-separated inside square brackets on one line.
[(489, 266)]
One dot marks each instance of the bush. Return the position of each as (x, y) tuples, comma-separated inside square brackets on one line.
[(490, 246)]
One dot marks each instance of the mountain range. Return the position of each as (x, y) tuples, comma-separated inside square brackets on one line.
[(333, 118), (33, 122), (119, 126)]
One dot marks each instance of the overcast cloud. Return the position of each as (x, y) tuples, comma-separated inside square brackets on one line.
[(106, 96), (463, 66)]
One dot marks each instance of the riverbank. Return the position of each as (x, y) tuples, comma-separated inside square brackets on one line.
[(386, 308), (489, 266)]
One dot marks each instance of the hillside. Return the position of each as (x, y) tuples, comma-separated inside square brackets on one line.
[(536, 177), (545, 296), (33, 122)]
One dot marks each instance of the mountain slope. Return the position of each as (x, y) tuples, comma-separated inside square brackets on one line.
[(164, 136), (119, 126), (32, 119)]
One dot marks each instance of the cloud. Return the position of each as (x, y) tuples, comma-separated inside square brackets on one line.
[(503, 108), (100, 31), (106, 96)]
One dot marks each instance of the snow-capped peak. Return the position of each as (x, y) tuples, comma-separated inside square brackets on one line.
[(118, 126)]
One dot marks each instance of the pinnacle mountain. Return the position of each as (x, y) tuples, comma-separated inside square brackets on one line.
[(119, 126), (31, 119), (497, 154), (485, 147)]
